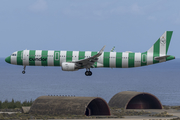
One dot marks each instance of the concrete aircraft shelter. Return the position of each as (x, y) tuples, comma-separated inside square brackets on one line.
[(59, 105), (135, 100)]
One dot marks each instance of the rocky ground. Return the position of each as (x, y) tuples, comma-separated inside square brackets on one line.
[(115, 113)]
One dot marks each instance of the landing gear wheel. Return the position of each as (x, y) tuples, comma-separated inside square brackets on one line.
[(88, 73), (23, 72)]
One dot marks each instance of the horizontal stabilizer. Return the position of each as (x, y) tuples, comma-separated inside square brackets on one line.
[(161, 58), (112, 50)]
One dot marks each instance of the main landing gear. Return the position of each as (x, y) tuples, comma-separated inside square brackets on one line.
[(23, 72), (88, 72)]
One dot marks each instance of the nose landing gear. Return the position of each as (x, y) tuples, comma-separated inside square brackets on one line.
[(88, 72), (23, 72)]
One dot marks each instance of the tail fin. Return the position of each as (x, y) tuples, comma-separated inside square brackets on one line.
[(160, 48)]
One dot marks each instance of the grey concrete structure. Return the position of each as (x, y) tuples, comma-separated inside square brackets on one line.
[(58, 105), (134, 100), (25, 109)]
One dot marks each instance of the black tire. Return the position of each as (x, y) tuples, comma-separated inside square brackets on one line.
[(90, 73), (23, 72), (87, 73)]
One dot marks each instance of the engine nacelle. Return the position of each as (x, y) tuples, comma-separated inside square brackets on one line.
[(68, 66)]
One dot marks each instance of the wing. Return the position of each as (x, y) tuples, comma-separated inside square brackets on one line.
[(88, 62)]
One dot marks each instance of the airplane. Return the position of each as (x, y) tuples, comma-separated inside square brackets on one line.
[(75, 60)]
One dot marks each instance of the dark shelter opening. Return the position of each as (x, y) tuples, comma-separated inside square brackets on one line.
[(97, 107), (144, 101)]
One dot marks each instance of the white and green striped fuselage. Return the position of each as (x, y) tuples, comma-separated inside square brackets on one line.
[(107, 59), (74, 60)]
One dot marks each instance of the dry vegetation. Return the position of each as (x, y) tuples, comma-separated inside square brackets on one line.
[(15, 106), (44, 117), (171, 107), (162, 114), (122, 112)]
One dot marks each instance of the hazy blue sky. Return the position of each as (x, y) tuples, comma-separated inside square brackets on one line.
[(129, 25)]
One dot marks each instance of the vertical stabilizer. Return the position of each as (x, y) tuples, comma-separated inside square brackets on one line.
[(160, 48)]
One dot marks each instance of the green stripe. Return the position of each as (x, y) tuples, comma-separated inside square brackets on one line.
[(106, 59), (157, 47), (56, 58), (32, 57), (144, 59), (119, 60), (19, 60), (168, 39), (92, 54), (131, 60), (44, 57), (170, 58), (81, 55), (156, 50), (69, 56), (9, 59)]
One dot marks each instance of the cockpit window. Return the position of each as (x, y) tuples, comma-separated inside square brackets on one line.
[(13, 55)]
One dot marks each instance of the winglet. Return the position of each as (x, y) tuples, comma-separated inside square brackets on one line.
[(102, 50)]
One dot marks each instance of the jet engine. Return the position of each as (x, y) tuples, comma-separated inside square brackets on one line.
[(68, 66)]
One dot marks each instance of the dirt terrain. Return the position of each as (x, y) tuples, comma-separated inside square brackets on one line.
[(164, 114)]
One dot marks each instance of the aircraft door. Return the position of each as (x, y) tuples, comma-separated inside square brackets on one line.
[(56, 56)]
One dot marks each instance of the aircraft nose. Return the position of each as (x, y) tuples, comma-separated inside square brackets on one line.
[(7, 59)]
